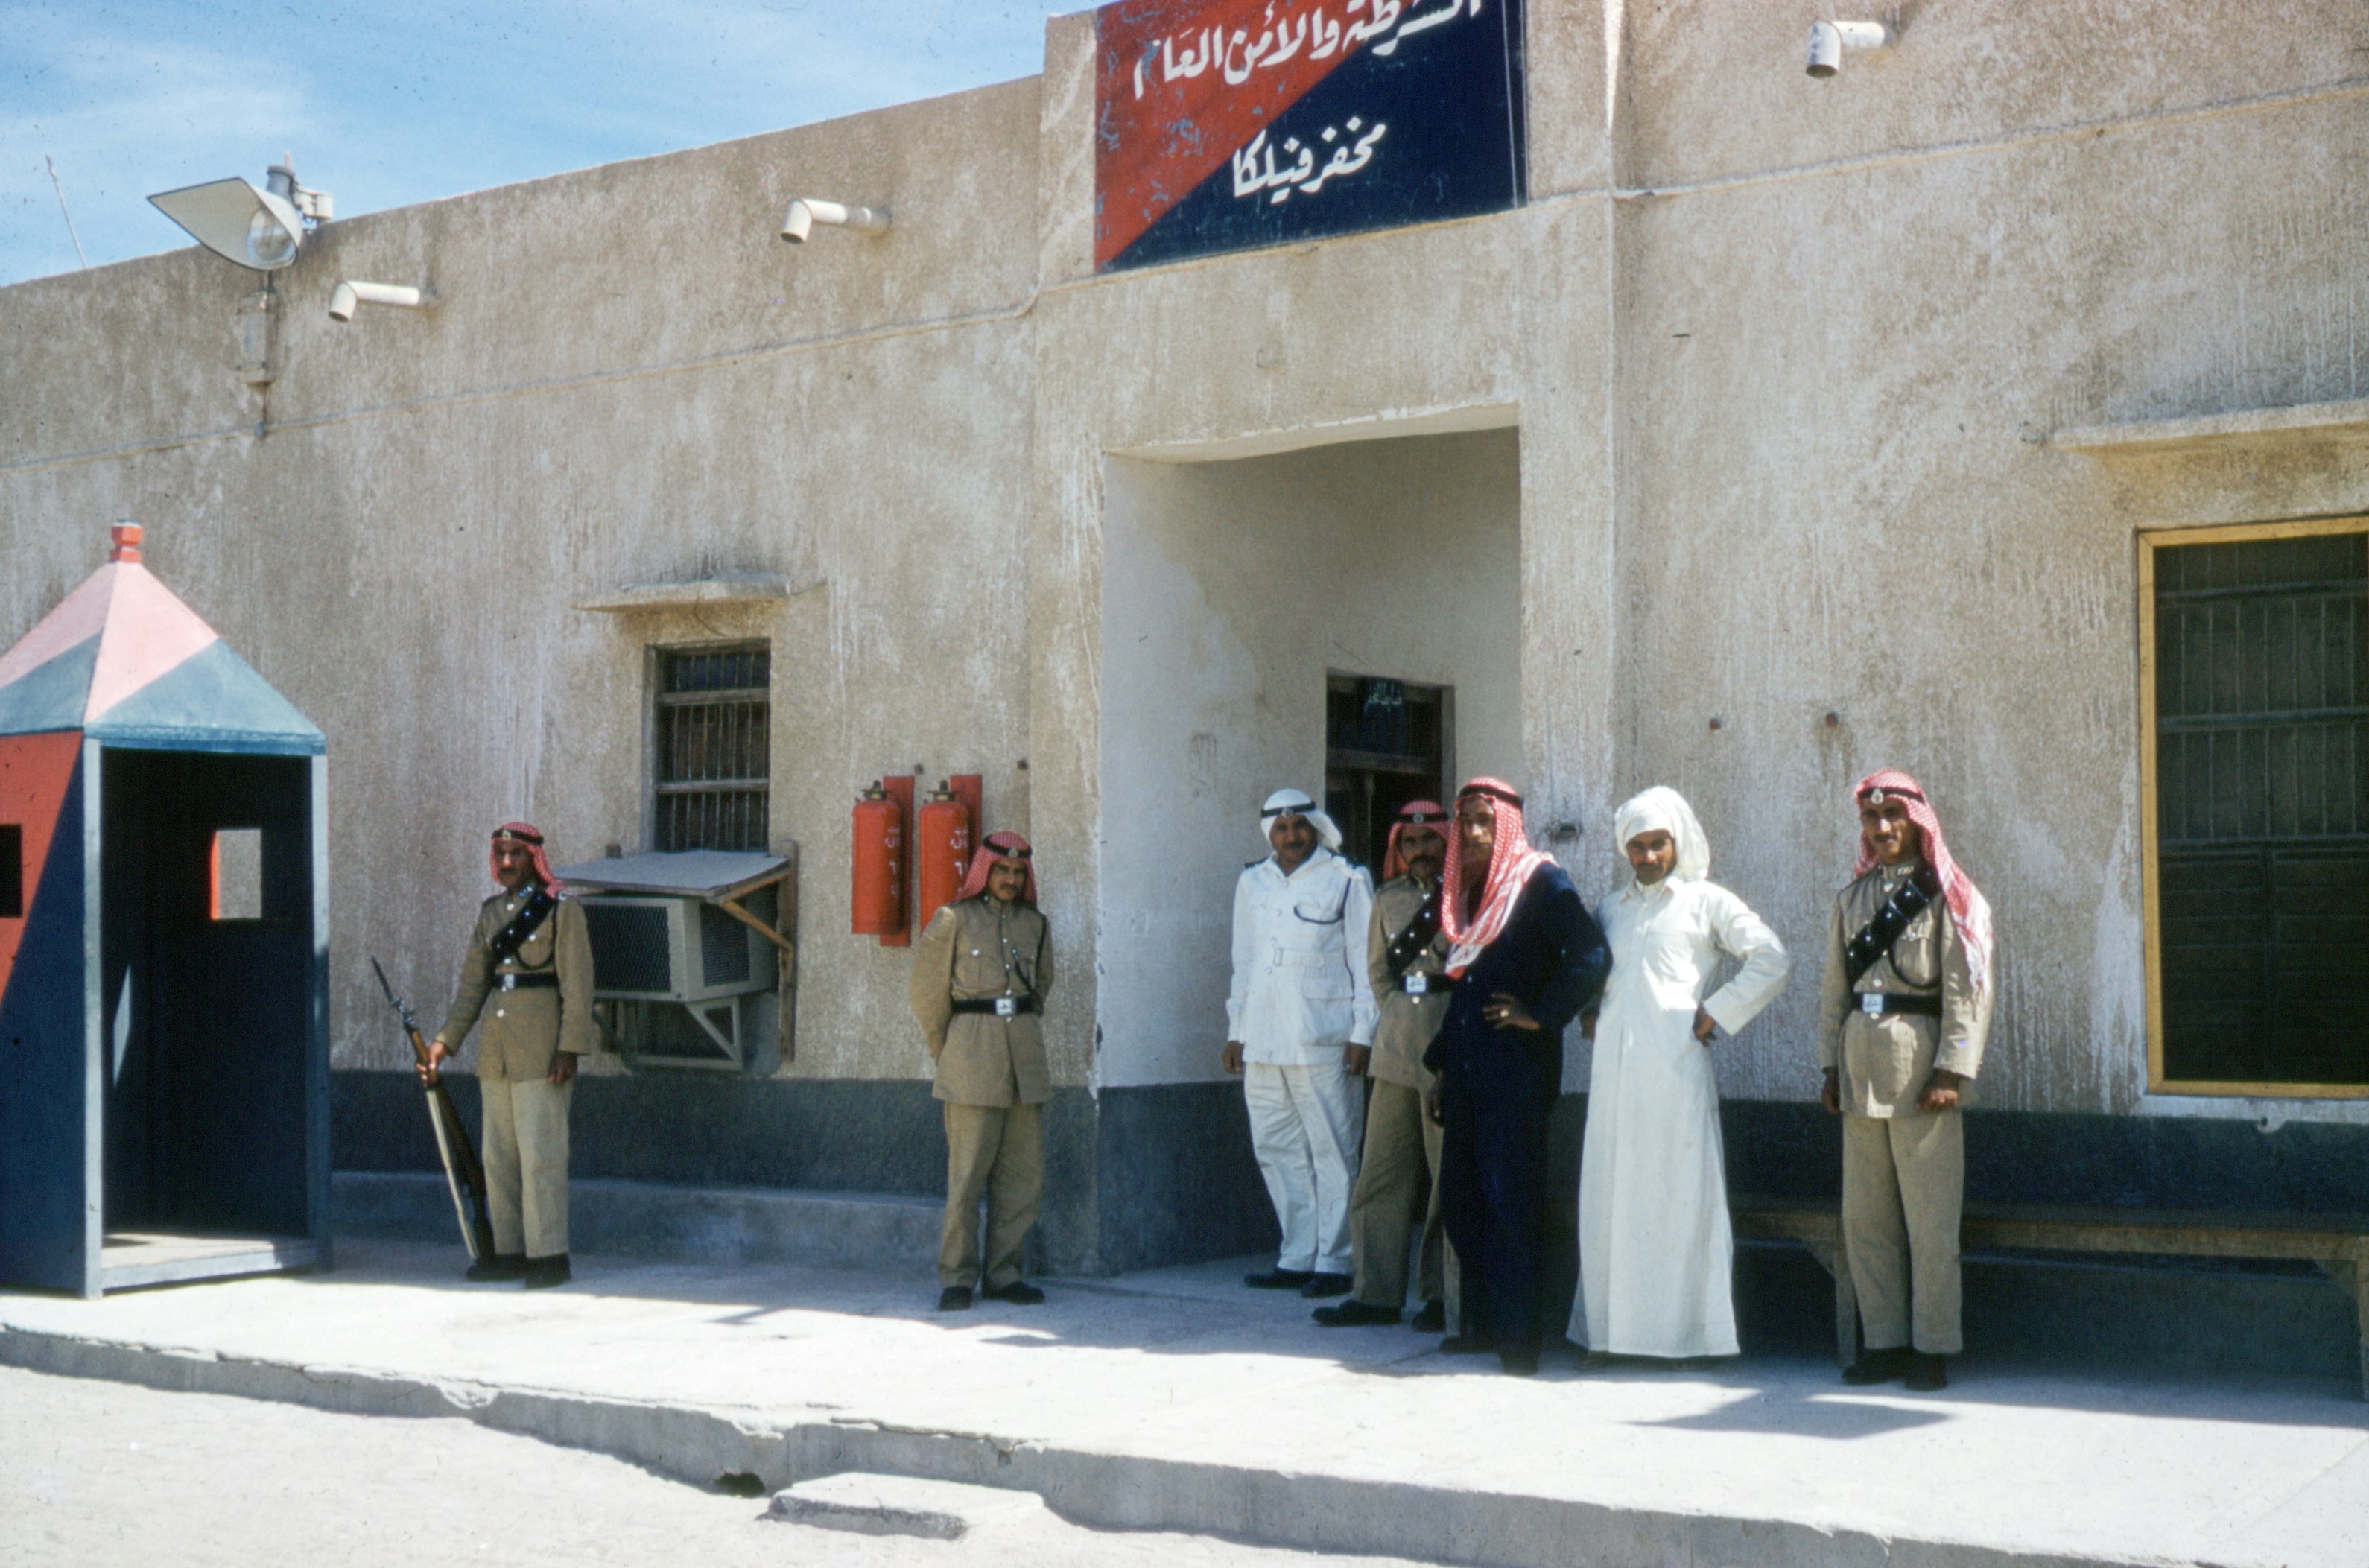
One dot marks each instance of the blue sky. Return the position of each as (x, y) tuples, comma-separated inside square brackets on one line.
[(388, 104)]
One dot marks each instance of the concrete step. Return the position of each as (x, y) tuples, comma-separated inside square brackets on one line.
[(682, 1224)]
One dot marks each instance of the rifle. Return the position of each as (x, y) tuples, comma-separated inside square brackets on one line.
[(462, 1168)]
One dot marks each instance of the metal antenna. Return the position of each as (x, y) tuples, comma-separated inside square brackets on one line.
[(59, 187)]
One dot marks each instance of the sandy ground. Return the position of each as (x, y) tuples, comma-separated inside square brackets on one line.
[(95, 1472)]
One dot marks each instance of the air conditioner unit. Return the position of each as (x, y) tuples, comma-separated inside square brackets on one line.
[(683, 960)]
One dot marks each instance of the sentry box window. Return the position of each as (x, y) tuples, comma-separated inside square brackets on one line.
[(235, 877), (12, 871)]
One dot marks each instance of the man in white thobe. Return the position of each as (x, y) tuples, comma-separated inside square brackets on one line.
[(1656, 1256), (1300, 1003)]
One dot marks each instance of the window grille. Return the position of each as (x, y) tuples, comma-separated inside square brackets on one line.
[(713, 742), (2260, 780)]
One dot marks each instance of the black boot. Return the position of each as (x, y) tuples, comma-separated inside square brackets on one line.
[(497, 1265), (1927, 1374), (1020, 1293), (954, 1298), (1321, 1285), (1433, 1319), (1519, 1359), (542, 1274), (1278, 1279), (1878, 1367), (1354, 1314)]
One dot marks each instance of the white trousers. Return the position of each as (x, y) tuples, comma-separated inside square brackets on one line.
[(1306, 1124)]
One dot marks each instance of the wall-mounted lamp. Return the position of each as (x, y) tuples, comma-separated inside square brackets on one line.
[(262, 228), (804, 213), (1828, 41), (352, 292)]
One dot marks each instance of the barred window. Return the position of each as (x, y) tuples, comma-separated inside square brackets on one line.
[(711, 738), (2257, 762)]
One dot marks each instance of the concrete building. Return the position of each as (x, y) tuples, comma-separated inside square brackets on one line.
[(1782, 429)]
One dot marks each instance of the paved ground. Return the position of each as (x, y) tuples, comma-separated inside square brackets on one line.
[(1179, 1400), (99, 1473)]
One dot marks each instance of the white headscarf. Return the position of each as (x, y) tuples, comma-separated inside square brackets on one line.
[(1295, 803), (1664, 808)]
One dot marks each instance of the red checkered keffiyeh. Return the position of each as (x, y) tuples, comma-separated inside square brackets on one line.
[(530, 835), (1969, 910), (993, 848), (1511, 863), (1418, 813)]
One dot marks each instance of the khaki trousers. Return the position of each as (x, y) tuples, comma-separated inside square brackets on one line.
[(1402, 1143), (998, 1151), (526, 1163), (1903, 1193)]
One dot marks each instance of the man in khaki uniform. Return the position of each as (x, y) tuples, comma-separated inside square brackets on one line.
[(1407, 962), (1903, 1016), (980, 973), (531, 957)]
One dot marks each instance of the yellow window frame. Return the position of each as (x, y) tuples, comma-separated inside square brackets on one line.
[(2149, 541)]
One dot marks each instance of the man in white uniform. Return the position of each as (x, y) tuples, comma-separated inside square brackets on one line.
[(1300, 1006)]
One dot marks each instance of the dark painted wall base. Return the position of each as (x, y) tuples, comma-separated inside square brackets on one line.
[(1139, 1177)]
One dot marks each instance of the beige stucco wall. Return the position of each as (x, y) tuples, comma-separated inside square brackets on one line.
[(1783, 358)]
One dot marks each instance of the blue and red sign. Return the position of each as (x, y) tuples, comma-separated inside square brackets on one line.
[(1224, 124)]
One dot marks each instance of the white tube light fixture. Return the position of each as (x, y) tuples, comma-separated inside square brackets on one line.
[(352, 292), (1828, 41), (806, 212)]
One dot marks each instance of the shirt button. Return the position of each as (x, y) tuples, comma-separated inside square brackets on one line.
[(500, 1013)]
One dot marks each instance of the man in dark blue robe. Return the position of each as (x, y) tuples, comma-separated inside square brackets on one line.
[(1527, 959)]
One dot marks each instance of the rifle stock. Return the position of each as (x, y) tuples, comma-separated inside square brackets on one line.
[(463, 1173)]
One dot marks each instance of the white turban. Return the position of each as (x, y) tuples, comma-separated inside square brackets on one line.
[(1664, 808), (1295, 803)]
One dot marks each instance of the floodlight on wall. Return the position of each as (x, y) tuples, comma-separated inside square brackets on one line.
[(804, 213), (1828, 41), (352, 293), (262, 228)]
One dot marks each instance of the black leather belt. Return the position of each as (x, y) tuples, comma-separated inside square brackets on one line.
[(1886, 1004), (998, 1006), (526, 982), (1420, 982)]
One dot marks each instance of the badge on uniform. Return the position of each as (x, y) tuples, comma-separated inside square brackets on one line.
[(1007, 1007), (1872, 1003), (1417, 983)]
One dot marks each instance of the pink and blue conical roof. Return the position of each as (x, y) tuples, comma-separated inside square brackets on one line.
[(128, 664)]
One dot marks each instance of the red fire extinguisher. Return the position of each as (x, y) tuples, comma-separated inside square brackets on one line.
[(879, 861), (943, 836)]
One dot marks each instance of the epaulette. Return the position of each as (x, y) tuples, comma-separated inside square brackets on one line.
[(1254, 865)]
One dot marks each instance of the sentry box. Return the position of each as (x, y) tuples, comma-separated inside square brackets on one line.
[(163, 951)]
